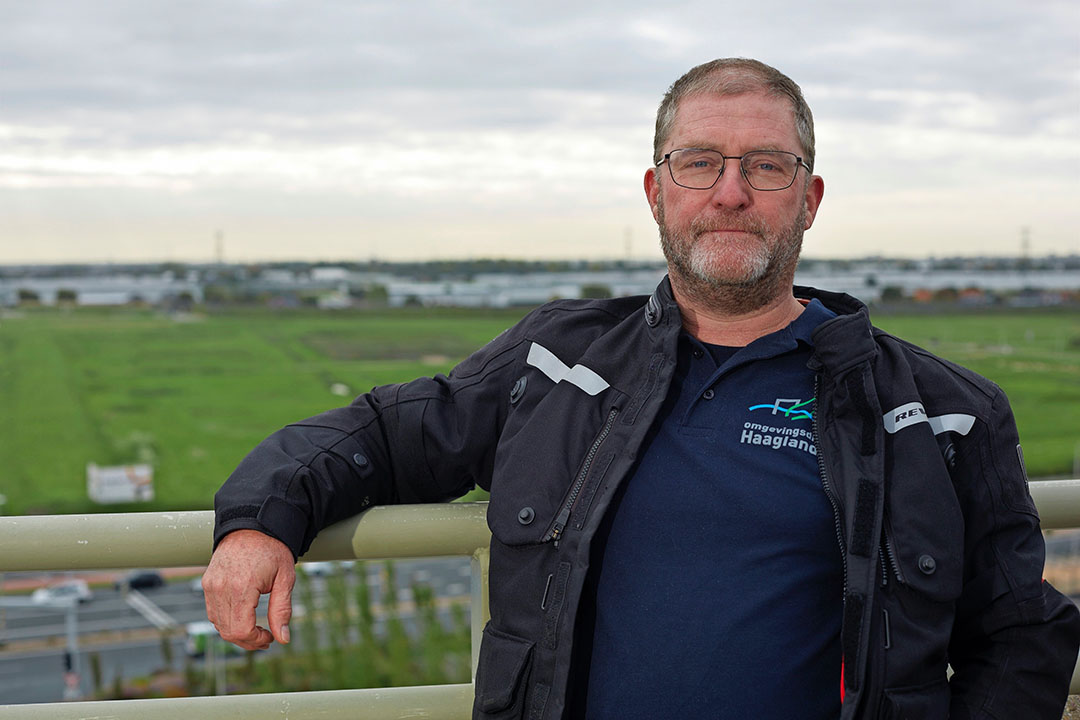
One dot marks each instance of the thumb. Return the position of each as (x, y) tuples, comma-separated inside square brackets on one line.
[(279, 607)]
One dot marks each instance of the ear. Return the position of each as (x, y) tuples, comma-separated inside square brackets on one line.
[(815, 189), (652, 192)]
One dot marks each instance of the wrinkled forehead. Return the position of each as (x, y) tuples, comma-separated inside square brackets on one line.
[(753, 120)]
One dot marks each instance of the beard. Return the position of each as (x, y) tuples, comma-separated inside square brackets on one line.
[(731, 276)]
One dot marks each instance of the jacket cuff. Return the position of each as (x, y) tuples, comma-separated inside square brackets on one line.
[(275, 517)]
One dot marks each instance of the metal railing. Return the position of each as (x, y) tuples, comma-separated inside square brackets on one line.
[(130, 540), (81, 542)]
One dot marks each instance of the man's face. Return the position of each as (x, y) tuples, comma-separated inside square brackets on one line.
[(731, 234)]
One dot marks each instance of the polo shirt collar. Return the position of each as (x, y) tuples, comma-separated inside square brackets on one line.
[(797, 333)]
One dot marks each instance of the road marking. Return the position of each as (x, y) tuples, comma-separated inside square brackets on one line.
[(155, 615)]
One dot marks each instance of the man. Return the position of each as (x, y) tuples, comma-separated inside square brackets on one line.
[(733, 499)]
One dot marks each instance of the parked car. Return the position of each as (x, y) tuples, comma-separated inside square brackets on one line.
[(140, 580), (318, 568), (322, 568), (200, 635), (77, 589)]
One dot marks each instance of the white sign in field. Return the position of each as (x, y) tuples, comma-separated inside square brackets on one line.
[(119, 483)]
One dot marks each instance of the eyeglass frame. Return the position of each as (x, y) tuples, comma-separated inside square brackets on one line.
[(742, 170)]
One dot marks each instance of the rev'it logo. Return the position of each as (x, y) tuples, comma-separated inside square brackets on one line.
[(910, 415), (913, 413)]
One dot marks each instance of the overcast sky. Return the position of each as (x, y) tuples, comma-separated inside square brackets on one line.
[(140, 129)]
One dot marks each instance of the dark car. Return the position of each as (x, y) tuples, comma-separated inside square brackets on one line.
[(140, 580)]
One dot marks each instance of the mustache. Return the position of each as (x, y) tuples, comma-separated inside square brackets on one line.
[(727, 221)]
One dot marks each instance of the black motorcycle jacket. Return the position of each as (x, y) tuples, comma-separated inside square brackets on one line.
[(919, 458)]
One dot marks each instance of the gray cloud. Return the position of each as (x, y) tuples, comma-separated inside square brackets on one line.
[(513, 103), (481, 64)]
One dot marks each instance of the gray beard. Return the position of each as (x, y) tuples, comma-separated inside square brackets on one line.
[(770, 274)]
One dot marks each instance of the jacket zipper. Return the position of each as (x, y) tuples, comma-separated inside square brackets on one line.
[(826, 485), (563, 517), (890, 553), (831, 495)]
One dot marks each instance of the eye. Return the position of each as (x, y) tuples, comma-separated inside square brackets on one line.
[(764, 166), (698, 160), (769, 163)]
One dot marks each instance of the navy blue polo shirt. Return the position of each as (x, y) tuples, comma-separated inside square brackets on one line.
[(716, 585)]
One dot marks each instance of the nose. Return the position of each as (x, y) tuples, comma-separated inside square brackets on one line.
[(731, 190)]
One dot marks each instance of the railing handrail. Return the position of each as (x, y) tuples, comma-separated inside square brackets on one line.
[(176, 539), (433, 702), (1058, 503)]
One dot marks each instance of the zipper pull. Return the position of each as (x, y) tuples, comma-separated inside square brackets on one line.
[(559, 526), (560, 523)]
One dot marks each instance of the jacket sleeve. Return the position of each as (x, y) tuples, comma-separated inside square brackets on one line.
[(428, 440), (1015, 640)]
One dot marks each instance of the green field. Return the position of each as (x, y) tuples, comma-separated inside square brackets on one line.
[(116, 387), (194, 395)]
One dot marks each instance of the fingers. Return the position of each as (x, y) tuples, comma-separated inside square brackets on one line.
[(246, 565), (239, 627), (257, 638), (279, 610), (230, 605)]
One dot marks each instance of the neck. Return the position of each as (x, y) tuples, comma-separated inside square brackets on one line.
[(719, 325)]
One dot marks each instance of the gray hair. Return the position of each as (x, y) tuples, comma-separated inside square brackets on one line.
[(734, 76)]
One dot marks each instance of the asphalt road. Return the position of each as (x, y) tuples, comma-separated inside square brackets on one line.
[(129, 645)]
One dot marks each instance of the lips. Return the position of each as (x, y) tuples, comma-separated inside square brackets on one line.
[(725, 231)]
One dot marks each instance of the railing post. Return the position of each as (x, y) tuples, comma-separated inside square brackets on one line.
[(480, 612), (73, 670)]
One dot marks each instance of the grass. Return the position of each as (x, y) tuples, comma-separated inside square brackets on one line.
[(193, 396)]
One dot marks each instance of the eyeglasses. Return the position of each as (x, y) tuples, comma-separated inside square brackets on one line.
[(699, 169)]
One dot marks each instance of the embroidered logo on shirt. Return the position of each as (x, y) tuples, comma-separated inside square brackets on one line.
[(792, 409), (788, 407)]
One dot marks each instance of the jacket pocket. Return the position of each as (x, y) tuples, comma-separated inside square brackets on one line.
[(502, 675), (930, 566), (923, 535), (920, 702), (533, 502)]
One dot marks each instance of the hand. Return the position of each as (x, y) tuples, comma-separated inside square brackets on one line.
[(247, 564)]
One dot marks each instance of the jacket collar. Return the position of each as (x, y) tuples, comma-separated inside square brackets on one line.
[(847, 339), (839, 343), (661, 310)]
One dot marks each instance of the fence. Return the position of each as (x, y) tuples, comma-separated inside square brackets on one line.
[(68, 542)]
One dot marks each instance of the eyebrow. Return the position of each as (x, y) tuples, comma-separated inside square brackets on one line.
[(704, 146)]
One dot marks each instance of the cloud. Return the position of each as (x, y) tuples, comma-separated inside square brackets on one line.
[(497, 107)]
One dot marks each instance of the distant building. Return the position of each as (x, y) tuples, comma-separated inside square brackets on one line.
[(119, 289), (329, 274), (499, 284)]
